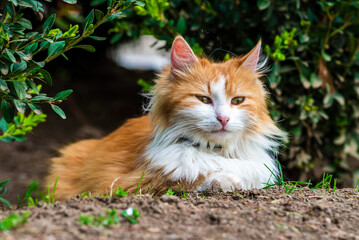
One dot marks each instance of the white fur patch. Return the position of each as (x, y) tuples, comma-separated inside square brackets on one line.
[(184, 162)]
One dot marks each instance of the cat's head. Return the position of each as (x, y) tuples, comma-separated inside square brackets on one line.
[(213, 102)]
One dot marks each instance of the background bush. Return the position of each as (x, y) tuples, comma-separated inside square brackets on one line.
[(313, 47), (313, 50)]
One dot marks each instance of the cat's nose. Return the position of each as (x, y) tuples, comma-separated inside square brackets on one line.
[(223, 120)]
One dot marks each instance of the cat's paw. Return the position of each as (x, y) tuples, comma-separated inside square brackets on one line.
[(222, 182)]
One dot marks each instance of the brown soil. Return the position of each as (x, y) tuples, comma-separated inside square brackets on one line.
[(256, 214)]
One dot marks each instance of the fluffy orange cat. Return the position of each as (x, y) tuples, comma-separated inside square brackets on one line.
[(208, 126)]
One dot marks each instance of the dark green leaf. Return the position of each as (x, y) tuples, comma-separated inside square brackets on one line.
[(181, 26), (18, 67), (59, 111), (3, 125), (62, 95), (55, 48), (3, 85), (32, 85), (99, 15), (46, 76), (98, 38), (10, 9), (86, 47), (4, 69), (20, 88), (315, 81), (70, 1), (65, 56), (25, 23), (263, 4), (88, 21), (32, 47), (140, 3), (10, 55), (7, 110), (49, 22), (3, 184), (326, 56), (109, 3), (35, 108), (41, 98), (20, 106), (40, 64)]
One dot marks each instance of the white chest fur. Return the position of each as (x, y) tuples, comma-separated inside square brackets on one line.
[(245, 169)]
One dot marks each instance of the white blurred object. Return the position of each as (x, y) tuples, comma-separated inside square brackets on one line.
[(140, 55)]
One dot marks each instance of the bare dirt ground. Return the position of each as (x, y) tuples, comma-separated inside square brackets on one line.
[(256, 214)]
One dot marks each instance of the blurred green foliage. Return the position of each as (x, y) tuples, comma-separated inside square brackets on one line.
[(24, 52), (313, 47)]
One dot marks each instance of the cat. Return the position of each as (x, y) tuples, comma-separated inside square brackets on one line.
[(208, 127)]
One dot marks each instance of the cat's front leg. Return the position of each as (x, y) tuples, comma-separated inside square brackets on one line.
[(223, 181)]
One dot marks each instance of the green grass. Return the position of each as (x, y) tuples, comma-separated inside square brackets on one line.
[(326, 183), (3, 190), (107, 219), (13, 220), (139, 182), (357, 185), (289, 186), (183, 192)]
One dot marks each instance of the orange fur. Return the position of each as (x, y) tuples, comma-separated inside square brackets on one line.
[(93, 165)]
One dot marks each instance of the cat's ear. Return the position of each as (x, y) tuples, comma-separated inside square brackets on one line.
[(251, 60), (182, 55)]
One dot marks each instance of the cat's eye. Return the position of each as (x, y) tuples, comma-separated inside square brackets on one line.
[(237, 100), (204, 99)]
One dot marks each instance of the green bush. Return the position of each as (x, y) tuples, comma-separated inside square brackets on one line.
[(24, 52), (313, 47)]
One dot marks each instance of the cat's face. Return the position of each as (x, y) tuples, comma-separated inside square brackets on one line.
[(211, 101)]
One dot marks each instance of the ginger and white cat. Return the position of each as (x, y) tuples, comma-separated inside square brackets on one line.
[(208, 126)]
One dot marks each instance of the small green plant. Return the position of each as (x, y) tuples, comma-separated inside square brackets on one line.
[(13, 221), (131, 214), (170, 192), (86, 195), (3, 190), (201, 195), (183, 192), (32, 188), (288, 185), (120, 192), (326, 183), (102, 220)]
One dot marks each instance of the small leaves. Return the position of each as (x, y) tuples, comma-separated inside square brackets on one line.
[(35, 108), (46, 75), (25, 23), (20, 106), (49, 22), (181, 26), (88, 21), (88, 48), (55, 48), (59, 111), (20, 88), (7, 110), (70, 1), (263, 4), (62, 95), (10, 55)]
